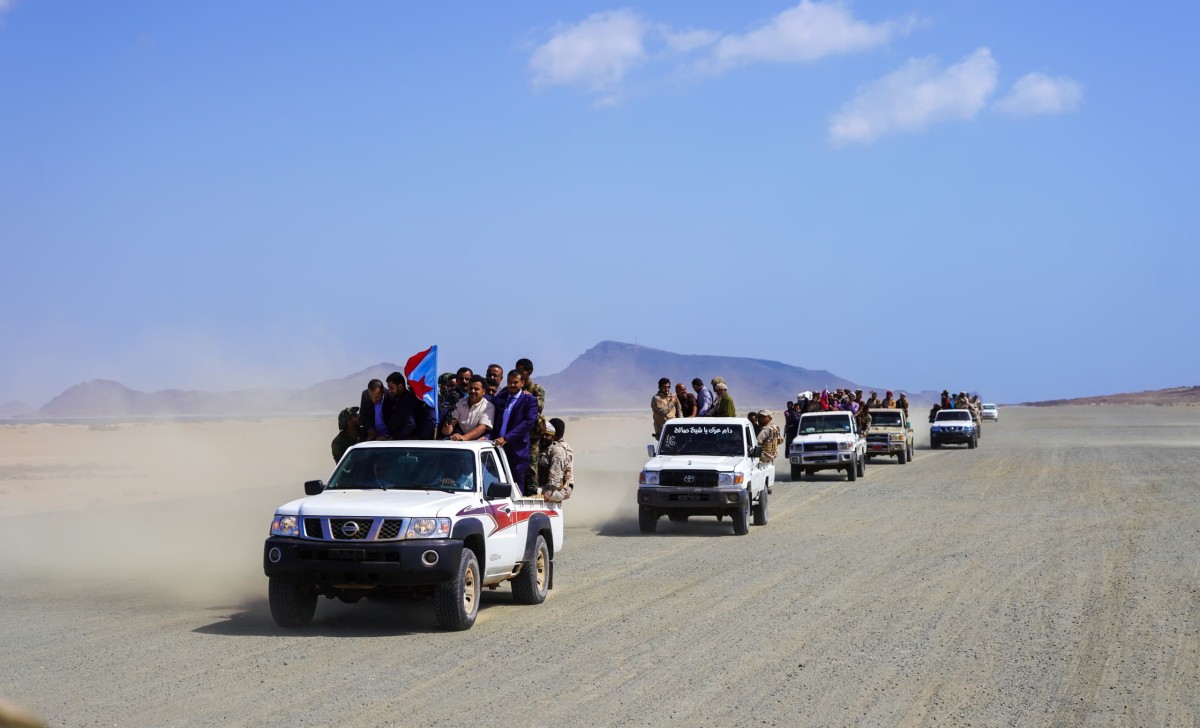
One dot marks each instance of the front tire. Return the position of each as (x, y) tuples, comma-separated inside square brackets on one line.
[(741, 518), (760, 509), (456, 602), (647, 520), (292, 603), (934, 444), (973, 442), (797, 473), (533, 582), (902, 456)]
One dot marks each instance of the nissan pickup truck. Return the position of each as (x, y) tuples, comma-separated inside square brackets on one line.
[(828, 441), (891, 434), (418, 519), (705, 466), (954, 426)]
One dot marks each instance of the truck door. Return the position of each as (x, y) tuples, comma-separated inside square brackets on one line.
[(506, 544)]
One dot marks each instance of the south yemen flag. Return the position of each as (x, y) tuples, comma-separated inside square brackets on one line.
[(421, 373)]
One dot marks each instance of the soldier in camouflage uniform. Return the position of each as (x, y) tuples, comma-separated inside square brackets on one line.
[(525, 366), (769, 438)]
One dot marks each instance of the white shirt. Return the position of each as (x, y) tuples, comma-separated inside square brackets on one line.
[(483, 413)]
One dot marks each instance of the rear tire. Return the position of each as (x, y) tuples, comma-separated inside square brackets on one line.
[(456, 602), (760, 509), (533, 582), (292, 603), (647, 520)]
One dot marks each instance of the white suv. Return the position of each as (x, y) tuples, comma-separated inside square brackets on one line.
[(990, 412)]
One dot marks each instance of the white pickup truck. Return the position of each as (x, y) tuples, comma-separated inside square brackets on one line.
[(416, 519), (705, 466), (828, 441)]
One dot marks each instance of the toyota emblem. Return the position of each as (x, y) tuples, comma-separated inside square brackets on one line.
[(689, 478), (349, 528)]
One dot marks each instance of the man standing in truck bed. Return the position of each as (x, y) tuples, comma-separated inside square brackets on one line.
[(664, 406)]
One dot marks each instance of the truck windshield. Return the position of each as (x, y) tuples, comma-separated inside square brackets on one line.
[(819, 424), (885, 418), (405, 469), (723, 440), (953, 415)]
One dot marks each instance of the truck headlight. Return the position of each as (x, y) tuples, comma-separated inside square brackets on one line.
[(428, 528), (935, 428), (730, 478), (648, 477), (285, 526), (894, 437), (845, 446)]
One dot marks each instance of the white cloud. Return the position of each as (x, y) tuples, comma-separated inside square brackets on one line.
[(596, 53), (686, 41), (807, 32), (916, 96), (1037, 94)]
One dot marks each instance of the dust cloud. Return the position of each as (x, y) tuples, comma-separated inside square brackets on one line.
[(180, 509)]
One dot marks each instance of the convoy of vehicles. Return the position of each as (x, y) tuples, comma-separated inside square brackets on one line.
[(705, 466), (891, 433), (828, 441), (444, 519), (954, 426), (422, 519)]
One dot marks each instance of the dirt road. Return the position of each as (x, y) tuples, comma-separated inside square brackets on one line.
[(1050, 577)]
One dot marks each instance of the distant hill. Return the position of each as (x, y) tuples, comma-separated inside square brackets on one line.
[(617, 376), (14, 409), (106, 398), (1172, 396), (609, 376)]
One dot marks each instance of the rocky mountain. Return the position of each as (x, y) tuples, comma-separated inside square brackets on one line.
[(617, 376)]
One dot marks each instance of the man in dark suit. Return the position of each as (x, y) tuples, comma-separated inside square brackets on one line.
[(394, 413), (516, 417)]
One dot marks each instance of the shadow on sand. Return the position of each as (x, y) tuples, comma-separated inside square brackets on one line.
[(379, 617)]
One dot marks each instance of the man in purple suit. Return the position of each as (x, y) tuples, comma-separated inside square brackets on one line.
[(516, 416)]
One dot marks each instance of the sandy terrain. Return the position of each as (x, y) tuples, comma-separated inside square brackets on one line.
[(1051, 577)]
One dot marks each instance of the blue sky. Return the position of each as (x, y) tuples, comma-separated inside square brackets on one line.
[(997, 196)]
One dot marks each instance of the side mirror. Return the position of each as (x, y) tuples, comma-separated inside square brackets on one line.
[(313, 487), (496, 491), (650, 450)]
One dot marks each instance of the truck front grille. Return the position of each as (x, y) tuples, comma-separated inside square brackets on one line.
[(878, 439), (688, 478), (820, 446), (317, 527)]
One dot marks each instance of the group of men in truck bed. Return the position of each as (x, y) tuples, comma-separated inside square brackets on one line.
[(471, 407)]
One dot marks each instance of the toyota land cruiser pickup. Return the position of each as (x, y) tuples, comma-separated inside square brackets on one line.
[(828, 441), (416, 519), (705, 466), (891, 433)]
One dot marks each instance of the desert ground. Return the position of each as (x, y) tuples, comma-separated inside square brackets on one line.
[(1049, 578)]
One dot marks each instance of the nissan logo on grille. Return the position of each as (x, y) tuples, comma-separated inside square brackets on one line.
[(689, 478), (349, 528)]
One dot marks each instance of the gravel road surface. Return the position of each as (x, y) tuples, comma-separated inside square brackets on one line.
[(1050, 577)]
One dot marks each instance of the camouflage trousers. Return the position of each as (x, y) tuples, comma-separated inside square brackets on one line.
[(531, 477)]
